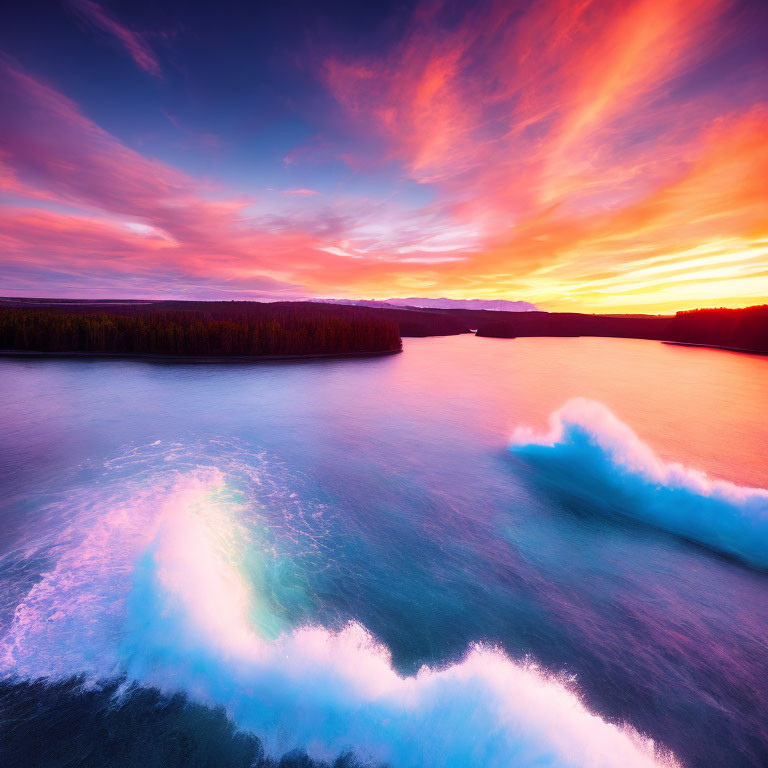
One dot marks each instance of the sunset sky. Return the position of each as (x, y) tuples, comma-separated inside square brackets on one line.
[(589, 155)]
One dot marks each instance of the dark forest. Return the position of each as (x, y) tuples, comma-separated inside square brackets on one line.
[(147, 330), (745, 329)]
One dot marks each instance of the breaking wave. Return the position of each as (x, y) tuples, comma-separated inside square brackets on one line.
[(592, 454), (163, 590)]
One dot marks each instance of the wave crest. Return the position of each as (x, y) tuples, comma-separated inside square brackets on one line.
[(161, 593), (191, 627), (589, 451)]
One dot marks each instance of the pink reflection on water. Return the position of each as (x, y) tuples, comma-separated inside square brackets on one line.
[(700, 407)]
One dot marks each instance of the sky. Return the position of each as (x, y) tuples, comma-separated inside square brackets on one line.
[(583, 155)]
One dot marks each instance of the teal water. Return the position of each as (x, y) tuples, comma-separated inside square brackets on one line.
[(205, 565)]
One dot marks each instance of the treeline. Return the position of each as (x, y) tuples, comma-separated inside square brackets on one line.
[(745, 329), (153, 331), (306, 328), (574, 324), (409, 322), (737, 328)]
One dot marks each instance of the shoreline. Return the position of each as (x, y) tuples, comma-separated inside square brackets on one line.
[(188, 359), (743, 350), (716, 346)]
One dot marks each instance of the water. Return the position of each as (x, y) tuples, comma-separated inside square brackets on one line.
[(374, 560)]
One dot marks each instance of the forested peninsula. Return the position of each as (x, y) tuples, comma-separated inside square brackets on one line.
[(206, 332)]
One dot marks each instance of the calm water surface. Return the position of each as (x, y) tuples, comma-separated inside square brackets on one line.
[(216, 565)]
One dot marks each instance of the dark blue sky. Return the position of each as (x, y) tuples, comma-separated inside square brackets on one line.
[(238, 81)]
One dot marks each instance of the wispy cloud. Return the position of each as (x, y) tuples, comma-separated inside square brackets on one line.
[(567, 135), (134, 43), (83, 209), (111, 210)]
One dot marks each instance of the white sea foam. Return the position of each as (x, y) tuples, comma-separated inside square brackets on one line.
[(155, 592)]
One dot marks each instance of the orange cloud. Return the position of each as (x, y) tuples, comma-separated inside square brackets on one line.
[(698, 238), (575, 140)]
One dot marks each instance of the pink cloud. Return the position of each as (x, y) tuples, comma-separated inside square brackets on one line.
[(86, 210), (127, 213), (134, 43)]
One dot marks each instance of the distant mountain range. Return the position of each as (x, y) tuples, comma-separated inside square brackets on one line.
[(495, 305)]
